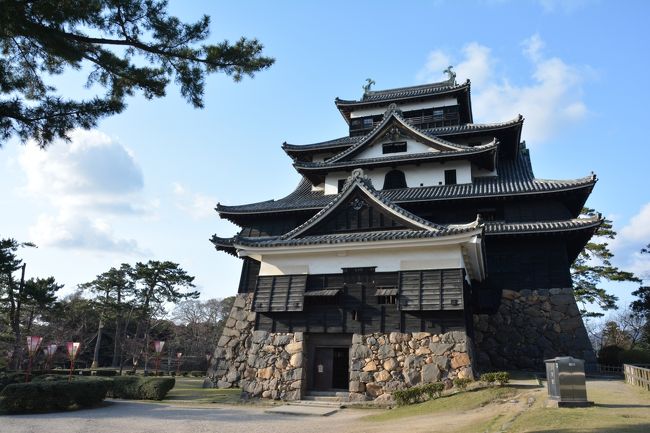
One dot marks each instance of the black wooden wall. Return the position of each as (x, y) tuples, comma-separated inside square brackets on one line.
[(357, 309)]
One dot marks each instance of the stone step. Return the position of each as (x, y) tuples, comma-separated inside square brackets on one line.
[(302, 410), (315, 403)]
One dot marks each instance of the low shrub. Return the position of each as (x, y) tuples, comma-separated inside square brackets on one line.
[(433, 390), (416, 394), (462, 382), (9, 378), (53, 394), (197, 373), (499, 377), (141, 388)]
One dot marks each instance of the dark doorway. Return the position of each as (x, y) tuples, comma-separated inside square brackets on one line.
[(330, 369), (340, 367)]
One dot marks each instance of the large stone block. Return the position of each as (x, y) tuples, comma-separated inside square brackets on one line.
[(430, 373), (292, 348)]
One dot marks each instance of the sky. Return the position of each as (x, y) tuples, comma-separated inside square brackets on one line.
[(143, 184)]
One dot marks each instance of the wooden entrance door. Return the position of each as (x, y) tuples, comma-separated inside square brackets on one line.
[(323, 357), (331, 368)]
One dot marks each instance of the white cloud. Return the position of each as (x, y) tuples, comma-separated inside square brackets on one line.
[(638, 229), (89, 182), (198, 206), (550, 100), (565, 6)]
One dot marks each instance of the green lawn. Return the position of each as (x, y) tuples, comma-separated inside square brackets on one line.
[(453, 403), (190, 390), (619, 408)]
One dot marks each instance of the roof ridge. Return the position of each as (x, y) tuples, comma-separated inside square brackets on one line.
[(401, 92)]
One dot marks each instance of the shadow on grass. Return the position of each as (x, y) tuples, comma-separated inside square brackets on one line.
[(622, 406), (638, 428)]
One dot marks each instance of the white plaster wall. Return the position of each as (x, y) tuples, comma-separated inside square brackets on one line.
[(443, 102), (386, 260), (430, 174), (376, 149)]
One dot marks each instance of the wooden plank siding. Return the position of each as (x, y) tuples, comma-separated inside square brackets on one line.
[(357, 308), (431, 290), (279, 293)]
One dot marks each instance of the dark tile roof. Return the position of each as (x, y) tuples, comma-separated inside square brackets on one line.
[(324, 145), (491, 228), (338, 238), (404, 93), (497, 227), (395, 158), (341, 142), (515, 178)]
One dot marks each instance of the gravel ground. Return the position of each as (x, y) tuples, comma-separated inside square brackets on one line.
[(131, 417)]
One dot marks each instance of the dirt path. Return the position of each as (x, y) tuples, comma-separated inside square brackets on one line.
[(515, 414)]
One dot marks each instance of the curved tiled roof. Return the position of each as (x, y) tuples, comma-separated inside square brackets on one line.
[(339, 238), (329, 144), (515, 178), (404, 93), (498, 227), (395, 158), (431, 132)]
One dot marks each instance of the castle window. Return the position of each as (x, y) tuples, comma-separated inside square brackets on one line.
[(386, 295), (367, 122), (450, 177), (394, 179), (394, 147), (438, 114)]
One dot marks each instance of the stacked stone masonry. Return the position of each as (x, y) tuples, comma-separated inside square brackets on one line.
[(383, 363), (530, 326)]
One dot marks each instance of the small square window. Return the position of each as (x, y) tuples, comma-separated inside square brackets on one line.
[(367, 122), (387, 300), (450, 177), (438, 114), (394, 147)]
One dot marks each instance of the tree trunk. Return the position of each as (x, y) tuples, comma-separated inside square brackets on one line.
[(98, 342), (14, 316)]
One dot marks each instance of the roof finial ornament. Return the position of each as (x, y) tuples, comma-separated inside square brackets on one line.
[(451, 74), (369, 83)]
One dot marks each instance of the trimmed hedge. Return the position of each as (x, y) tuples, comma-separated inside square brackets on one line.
[(141, 388), (500, 377), (462, 382), (415, 394), (53, 394)]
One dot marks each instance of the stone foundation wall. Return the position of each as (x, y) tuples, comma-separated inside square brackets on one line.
[(262, 364), (530, 326), (383, 363)]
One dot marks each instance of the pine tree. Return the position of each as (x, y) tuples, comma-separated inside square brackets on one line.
[(129, 46), (593, 267)]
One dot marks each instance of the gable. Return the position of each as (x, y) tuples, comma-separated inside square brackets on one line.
[(356, 213), (394, 129)]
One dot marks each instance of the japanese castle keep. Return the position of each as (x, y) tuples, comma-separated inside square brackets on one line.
[(418, 248)]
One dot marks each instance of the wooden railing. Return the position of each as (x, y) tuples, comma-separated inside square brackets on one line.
[(637, 376)]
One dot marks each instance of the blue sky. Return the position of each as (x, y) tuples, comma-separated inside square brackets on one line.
[(143, 184)]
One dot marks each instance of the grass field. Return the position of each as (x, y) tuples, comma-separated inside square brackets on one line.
[(521, 408), (190, 390)]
